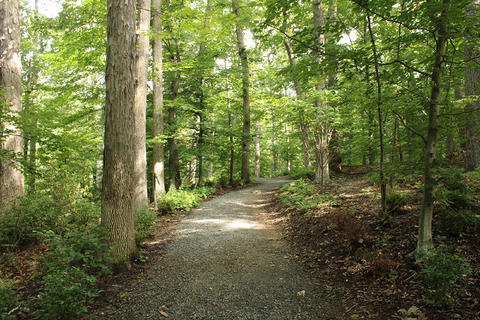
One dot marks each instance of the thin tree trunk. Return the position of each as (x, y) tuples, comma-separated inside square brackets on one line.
[(173, 159), (230, 128), (321, 131), (472, 88), (158, 145), (141, 70), (118, 201), (242, 52), (257, 150), (11, 179), (425, 242), (383, 183), (289, 160), (303, 124)]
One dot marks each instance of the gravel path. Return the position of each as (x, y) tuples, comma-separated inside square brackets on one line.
[(224, 262)]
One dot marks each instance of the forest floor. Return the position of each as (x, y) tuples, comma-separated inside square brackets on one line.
[(379, 278), (224, 260)]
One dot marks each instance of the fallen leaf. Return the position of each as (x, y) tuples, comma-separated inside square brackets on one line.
[(163, 313), (301, 293)]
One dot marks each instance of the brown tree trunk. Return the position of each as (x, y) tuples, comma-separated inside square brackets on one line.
[(11, 179), (303, 124), (141, 70), (425, 242), (158, 145), (472, 88), (383, 182), (321, 131), (242, 52), (257, 150), (118, 201), (173, 159)]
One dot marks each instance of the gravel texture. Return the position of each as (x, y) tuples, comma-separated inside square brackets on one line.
[(225, 262)]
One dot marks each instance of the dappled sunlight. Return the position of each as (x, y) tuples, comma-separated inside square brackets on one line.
[(244, 224)]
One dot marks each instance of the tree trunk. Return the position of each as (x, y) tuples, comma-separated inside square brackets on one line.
[(321, 131), (230, 128), (173, 160), (257, 150), (383, 182), (141, 70), (425, 242), (118, 201), (11, 179), (158, 145), (472, 89), (242, 52), (303, 124), (289, 160)]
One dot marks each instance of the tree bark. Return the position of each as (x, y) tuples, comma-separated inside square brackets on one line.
[(173, 159), (11, 141), (141, 70), (472, 89), (425, 242), (383, 182), (158, 145), (321, 131), (242, 52), (118, 201), (298, 91), (257, 150)]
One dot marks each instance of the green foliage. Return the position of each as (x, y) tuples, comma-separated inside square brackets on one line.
[(8, 299), (395, 202), (303, 196), (31, 214), (458, 222), (302, 173), (145, 220), (454, 195), (185, 199), (72, 265), (66, 294), (443, 273)]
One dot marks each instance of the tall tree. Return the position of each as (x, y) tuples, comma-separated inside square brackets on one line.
[(242, 52), (321, 130), (439, 18), (158, 145), (11, 142), (472, 89), (118, 201), (141, 70)]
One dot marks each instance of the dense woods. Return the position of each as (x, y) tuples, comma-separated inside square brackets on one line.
[(114, 113)]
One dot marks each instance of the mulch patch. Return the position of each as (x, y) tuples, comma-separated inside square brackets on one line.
[(379, 276)]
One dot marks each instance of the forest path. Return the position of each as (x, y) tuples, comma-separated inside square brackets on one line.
[(225, 261)]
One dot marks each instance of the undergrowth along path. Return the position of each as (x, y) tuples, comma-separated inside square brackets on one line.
[(224, 261)]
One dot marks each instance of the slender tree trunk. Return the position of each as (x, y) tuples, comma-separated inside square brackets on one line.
[(118, 201), (141, 70), (383, 182), (257, 150), (274, 142), (472, 89), (303, 124), (173, 159), (158, 145), (230, 128), (321, 131), (425, 242), (242, 52), (11, 179), (289, 160)]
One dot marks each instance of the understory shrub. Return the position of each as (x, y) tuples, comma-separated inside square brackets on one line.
[(8, 299), (443, 273), (185, 199), (74, 261), (144, 223), (302, 173), (455, 202), (395, 202), (303, 196)]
